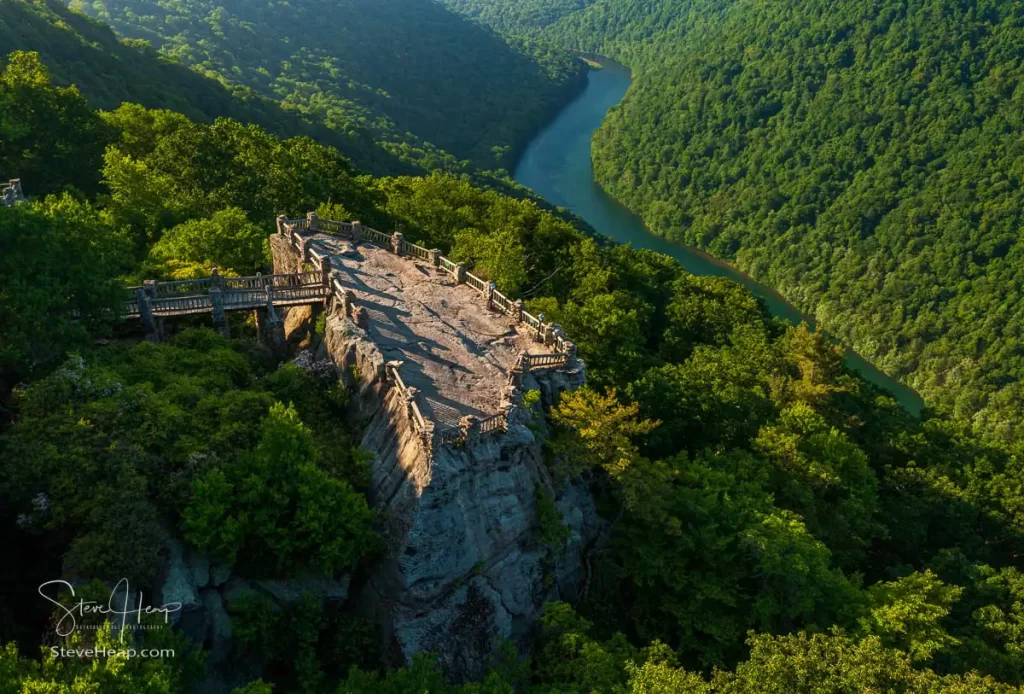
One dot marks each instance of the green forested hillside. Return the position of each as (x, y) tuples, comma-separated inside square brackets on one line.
[(769, 513), (426, 85), (517, 17), (109, 71), (863, 158)]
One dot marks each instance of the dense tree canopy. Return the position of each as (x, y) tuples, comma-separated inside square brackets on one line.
[(774, 523), (862, 158), (57, 256), (395, 80)]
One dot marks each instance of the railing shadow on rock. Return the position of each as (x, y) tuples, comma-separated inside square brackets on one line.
[(471, 428)]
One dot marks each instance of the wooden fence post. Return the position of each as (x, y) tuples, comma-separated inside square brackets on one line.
[(325, 272), (348, 301), (470, 427), (516, 373), (220, 316), (361, 318), (275, 326), (146, 314)]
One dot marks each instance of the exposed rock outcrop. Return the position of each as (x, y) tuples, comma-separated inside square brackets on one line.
[(206, 592), (463, 567), (286, 260)]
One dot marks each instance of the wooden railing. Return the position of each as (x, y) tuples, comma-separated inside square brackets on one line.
[(409, 395), (475, 282), (186, 297), (182, 305), (416, 251), (377, 238), (496, 422), (501, 301), (330, 226), (180, 287), (543, 361), (448, 436), (471, 427)]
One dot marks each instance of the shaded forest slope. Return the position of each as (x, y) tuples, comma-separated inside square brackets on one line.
[(425, 84)]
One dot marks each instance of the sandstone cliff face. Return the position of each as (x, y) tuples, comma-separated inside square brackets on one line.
[(205, 591), (286, 260), (463, 567)]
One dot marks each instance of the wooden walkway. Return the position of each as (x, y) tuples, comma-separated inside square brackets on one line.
[(189, 297)]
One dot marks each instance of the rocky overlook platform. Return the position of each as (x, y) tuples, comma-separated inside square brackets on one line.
[(454, 351), (456, 348), (437, 362)]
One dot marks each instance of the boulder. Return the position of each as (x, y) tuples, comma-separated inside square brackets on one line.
[(220, 634), (199, 565), (219, 575), (177, 584)]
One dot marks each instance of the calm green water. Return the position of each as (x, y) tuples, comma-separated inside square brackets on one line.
[(557, 166)]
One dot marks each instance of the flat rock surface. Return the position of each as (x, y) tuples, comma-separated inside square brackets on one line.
[(455, 351)]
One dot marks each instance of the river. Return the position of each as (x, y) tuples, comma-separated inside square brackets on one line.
[(556, 165)]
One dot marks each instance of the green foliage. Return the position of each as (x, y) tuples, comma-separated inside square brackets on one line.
[(114, 674), (905, 614), (402, 88), (572, 660), (303, 643), (775, 484), (49, 136), (164, 169), (531, 398), (276, 509), (860, 158), (109, 71), (103, 448), (553, 533), (227, 239), (597, 432), (257, 623), (423, 677), (254, 687), (824, 476), (487, 230), (803, 663), (57, 256)]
